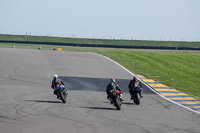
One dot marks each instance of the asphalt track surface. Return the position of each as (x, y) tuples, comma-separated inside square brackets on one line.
[(27, 103)]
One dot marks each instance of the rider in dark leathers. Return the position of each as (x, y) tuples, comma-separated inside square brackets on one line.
[(113, 86), (132, 85), (57, 81)]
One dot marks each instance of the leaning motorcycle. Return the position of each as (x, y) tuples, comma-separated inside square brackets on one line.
[(116, 98), (136, 94), (61, 93)]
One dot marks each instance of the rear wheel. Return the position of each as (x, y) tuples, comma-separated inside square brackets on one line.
[(137, 99), (117, 103), (62, 97)]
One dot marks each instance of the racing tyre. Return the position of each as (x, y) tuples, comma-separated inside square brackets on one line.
[(137, 99), (117, 103), (62, 97)]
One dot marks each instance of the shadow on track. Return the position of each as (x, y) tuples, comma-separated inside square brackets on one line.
[(40, 101), (97, 84), (122, 103), (98, 108), (128, 103)]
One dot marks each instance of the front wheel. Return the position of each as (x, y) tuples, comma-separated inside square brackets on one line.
[(117, 103)]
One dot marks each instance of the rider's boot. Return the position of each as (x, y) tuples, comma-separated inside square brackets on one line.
[(141, 95), (111, 101), (131, 97), (121, 97)]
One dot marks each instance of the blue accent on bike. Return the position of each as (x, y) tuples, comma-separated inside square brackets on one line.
[(59, 87)]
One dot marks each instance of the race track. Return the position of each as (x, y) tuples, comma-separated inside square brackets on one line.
[(27, 103)]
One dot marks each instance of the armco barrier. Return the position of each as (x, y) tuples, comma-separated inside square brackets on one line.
[(101, 45)]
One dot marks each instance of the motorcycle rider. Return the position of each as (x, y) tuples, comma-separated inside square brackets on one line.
[(132, 85), (57, 81), (113, 86)]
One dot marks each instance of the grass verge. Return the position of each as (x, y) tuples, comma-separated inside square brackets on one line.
[(179, 70)]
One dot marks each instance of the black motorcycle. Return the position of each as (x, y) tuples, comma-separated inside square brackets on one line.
[(136, 94), (61, 93)]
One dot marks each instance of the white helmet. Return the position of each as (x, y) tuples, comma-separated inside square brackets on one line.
[(55, 76)]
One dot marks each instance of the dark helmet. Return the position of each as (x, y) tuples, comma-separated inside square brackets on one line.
[(112, 80)]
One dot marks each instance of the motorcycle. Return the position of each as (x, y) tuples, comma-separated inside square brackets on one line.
[(136, 94), (61, 93), (116, 99)]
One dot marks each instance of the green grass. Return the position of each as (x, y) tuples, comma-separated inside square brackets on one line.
[(177, 69), (99, 41)]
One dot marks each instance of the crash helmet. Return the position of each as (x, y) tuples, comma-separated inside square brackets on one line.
[(112, 80), (55, 76)]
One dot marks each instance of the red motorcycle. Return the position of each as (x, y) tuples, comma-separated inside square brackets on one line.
[(116, 99)]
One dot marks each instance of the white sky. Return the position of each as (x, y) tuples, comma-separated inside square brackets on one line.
[(119, 19)]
